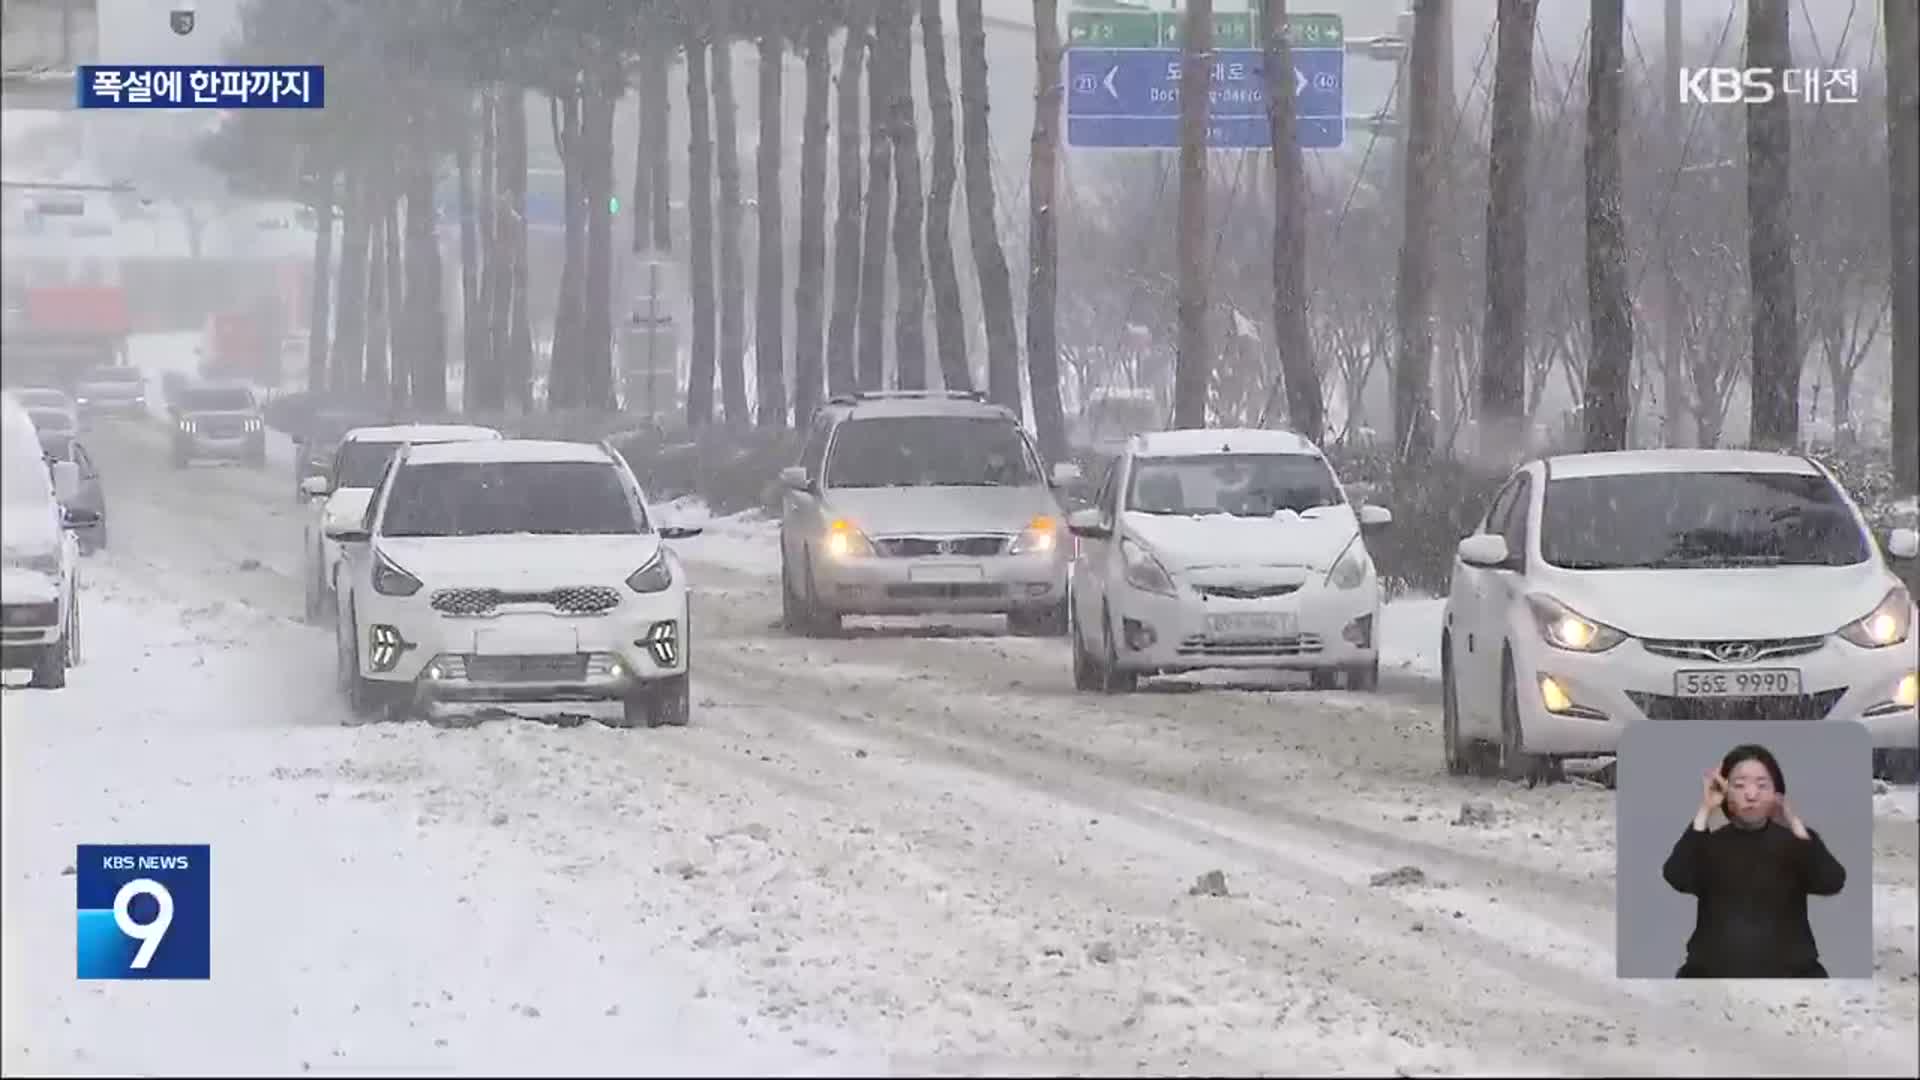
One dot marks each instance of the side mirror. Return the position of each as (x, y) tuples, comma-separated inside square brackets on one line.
[(1067, 473), (795, 477), (77, 518), (1903, 544), (1485, 550), (66, 482), (315, 486), (1374, 518), (680, 532), (348, 534), (1088, 524)]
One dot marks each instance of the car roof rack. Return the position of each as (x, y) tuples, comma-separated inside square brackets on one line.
[(858, 396)]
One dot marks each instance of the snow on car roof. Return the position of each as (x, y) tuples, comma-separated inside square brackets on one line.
[(1193, 442), (926, 406), (1627, 462), (420, 433), (449, 453)]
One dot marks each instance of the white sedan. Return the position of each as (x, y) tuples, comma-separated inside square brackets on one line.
[(1223, 549), (1605, 589)]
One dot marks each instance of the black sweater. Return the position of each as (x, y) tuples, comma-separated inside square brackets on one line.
[(1752, 885)]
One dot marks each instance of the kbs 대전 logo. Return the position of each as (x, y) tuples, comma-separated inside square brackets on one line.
[(143, 911), (1759, 85)]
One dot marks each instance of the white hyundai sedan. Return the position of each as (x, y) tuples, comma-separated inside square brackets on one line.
[(1223, 549), (1609, 588)]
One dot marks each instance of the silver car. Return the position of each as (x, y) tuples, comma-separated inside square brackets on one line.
[(113, 390), (87, 495), (920, 503)]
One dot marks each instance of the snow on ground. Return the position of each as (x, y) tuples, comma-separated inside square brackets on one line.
[(354, 927), (1410, 635), (1901, 802)]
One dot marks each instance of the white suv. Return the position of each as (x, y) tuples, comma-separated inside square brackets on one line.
[(338, 497), (39, 556), (516, 573), (1223, 549), (1609, 588)]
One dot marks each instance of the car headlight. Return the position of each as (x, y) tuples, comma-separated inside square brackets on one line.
[(1041, 536), (846, 542), (390, 580), (1889, 623), (1144, 572), (1565, 628), (1350, 570), (252, 424), (186, 425), (40, 562), (654, 577)]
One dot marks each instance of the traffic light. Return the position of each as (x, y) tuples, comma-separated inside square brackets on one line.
[(613, 204)]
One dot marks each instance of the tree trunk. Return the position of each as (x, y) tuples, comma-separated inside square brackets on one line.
[(983, 223), (320, 285), (873, 256), (399, 331), (653, 63), (949, 317), (598, 97), (486, 381), (733, 278), (1775, 383), (810, 281), (846, 227), (700, 357), (427, 356), (1413, 301), (1903, 171), (1503, 358), (565, 382), (770, 307), (350, 314), (515, 363), (1675, 412), (1043, 243), (375, 363), (1193, 364), (472, 306), (1293, 330), (909, 215)]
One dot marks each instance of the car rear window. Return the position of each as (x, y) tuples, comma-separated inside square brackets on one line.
[(1698, 520), (217, 400)]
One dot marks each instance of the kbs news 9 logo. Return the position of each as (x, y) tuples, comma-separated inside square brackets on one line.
[(143, 911)]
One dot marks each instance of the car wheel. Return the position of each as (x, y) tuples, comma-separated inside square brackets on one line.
[(1113, 680), (1323, 679), (73, 644), (669, 704), (791, 617), (365, 697), (820, 622), (1515, 762), (1086, 672), (313, 609), (1044, 622), (100, 535), (1364, 678), (1896, 766), (1462, 755)]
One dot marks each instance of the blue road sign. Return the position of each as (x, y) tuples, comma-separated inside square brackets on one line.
[(1131, 98)]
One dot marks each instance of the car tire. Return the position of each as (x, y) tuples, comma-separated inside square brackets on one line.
[(1464, 756), (313, 609), (1086, 672), (51, 663), (1896, 765), (99, 539), (669, 704), (1113, 680), (1323, 679), (74, 643), (366, 698), (1515, 762), (1039, 622), (820, 623), (791, 618), (1363, 678)]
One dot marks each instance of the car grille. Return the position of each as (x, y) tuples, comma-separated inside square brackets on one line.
[(557, 667), (1285, 645), (968, 590), (1246, 592), (30, 615), (568, 600), (912, 547), (1745, 651), (220, 427), (1780, 707)]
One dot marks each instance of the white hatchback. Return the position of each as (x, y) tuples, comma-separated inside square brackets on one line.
[(1606, 589), (514, 573), (1223, 549)]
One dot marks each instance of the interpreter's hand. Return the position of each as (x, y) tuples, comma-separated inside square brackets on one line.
[(1713, 790), (1783, 813)]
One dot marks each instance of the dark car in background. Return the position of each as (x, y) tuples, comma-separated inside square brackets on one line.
[(112, 390), (220, 421)]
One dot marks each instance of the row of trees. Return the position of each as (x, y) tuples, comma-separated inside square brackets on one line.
[(418, 86)]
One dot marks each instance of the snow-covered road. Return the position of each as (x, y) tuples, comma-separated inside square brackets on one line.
[(902, 851)]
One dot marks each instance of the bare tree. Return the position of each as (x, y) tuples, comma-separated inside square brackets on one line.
[(846, 228), (374, 362), (473, 321), (1412, 409), (949, 318), (700, 360), (910, 313), (1043, 235), (990, 260), (603, 88), (1195, 358), (1293, 332), (1775, 382), (1608, 397), (733, 285), (769, 332), (1903, 172), (1503, 367), (810, 281), (350, 313), (873, 255), (319, 301)]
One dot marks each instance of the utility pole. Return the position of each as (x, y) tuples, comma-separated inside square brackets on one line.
[(1193, 365), (1448, 286), (1673, 367)]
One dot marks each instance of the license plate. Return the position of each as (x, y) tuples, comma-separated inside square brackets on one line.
[(1250, 625), (948, 574), (1742, 682)]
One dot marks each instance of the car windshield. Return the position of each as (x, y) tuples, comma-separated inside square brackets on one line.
[(57, 445), (1248, 485), (494, 498), (41, 398), (217, 399), (1697, 519), (114, 375), (930, 451), (361, 463), (51, 420)]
